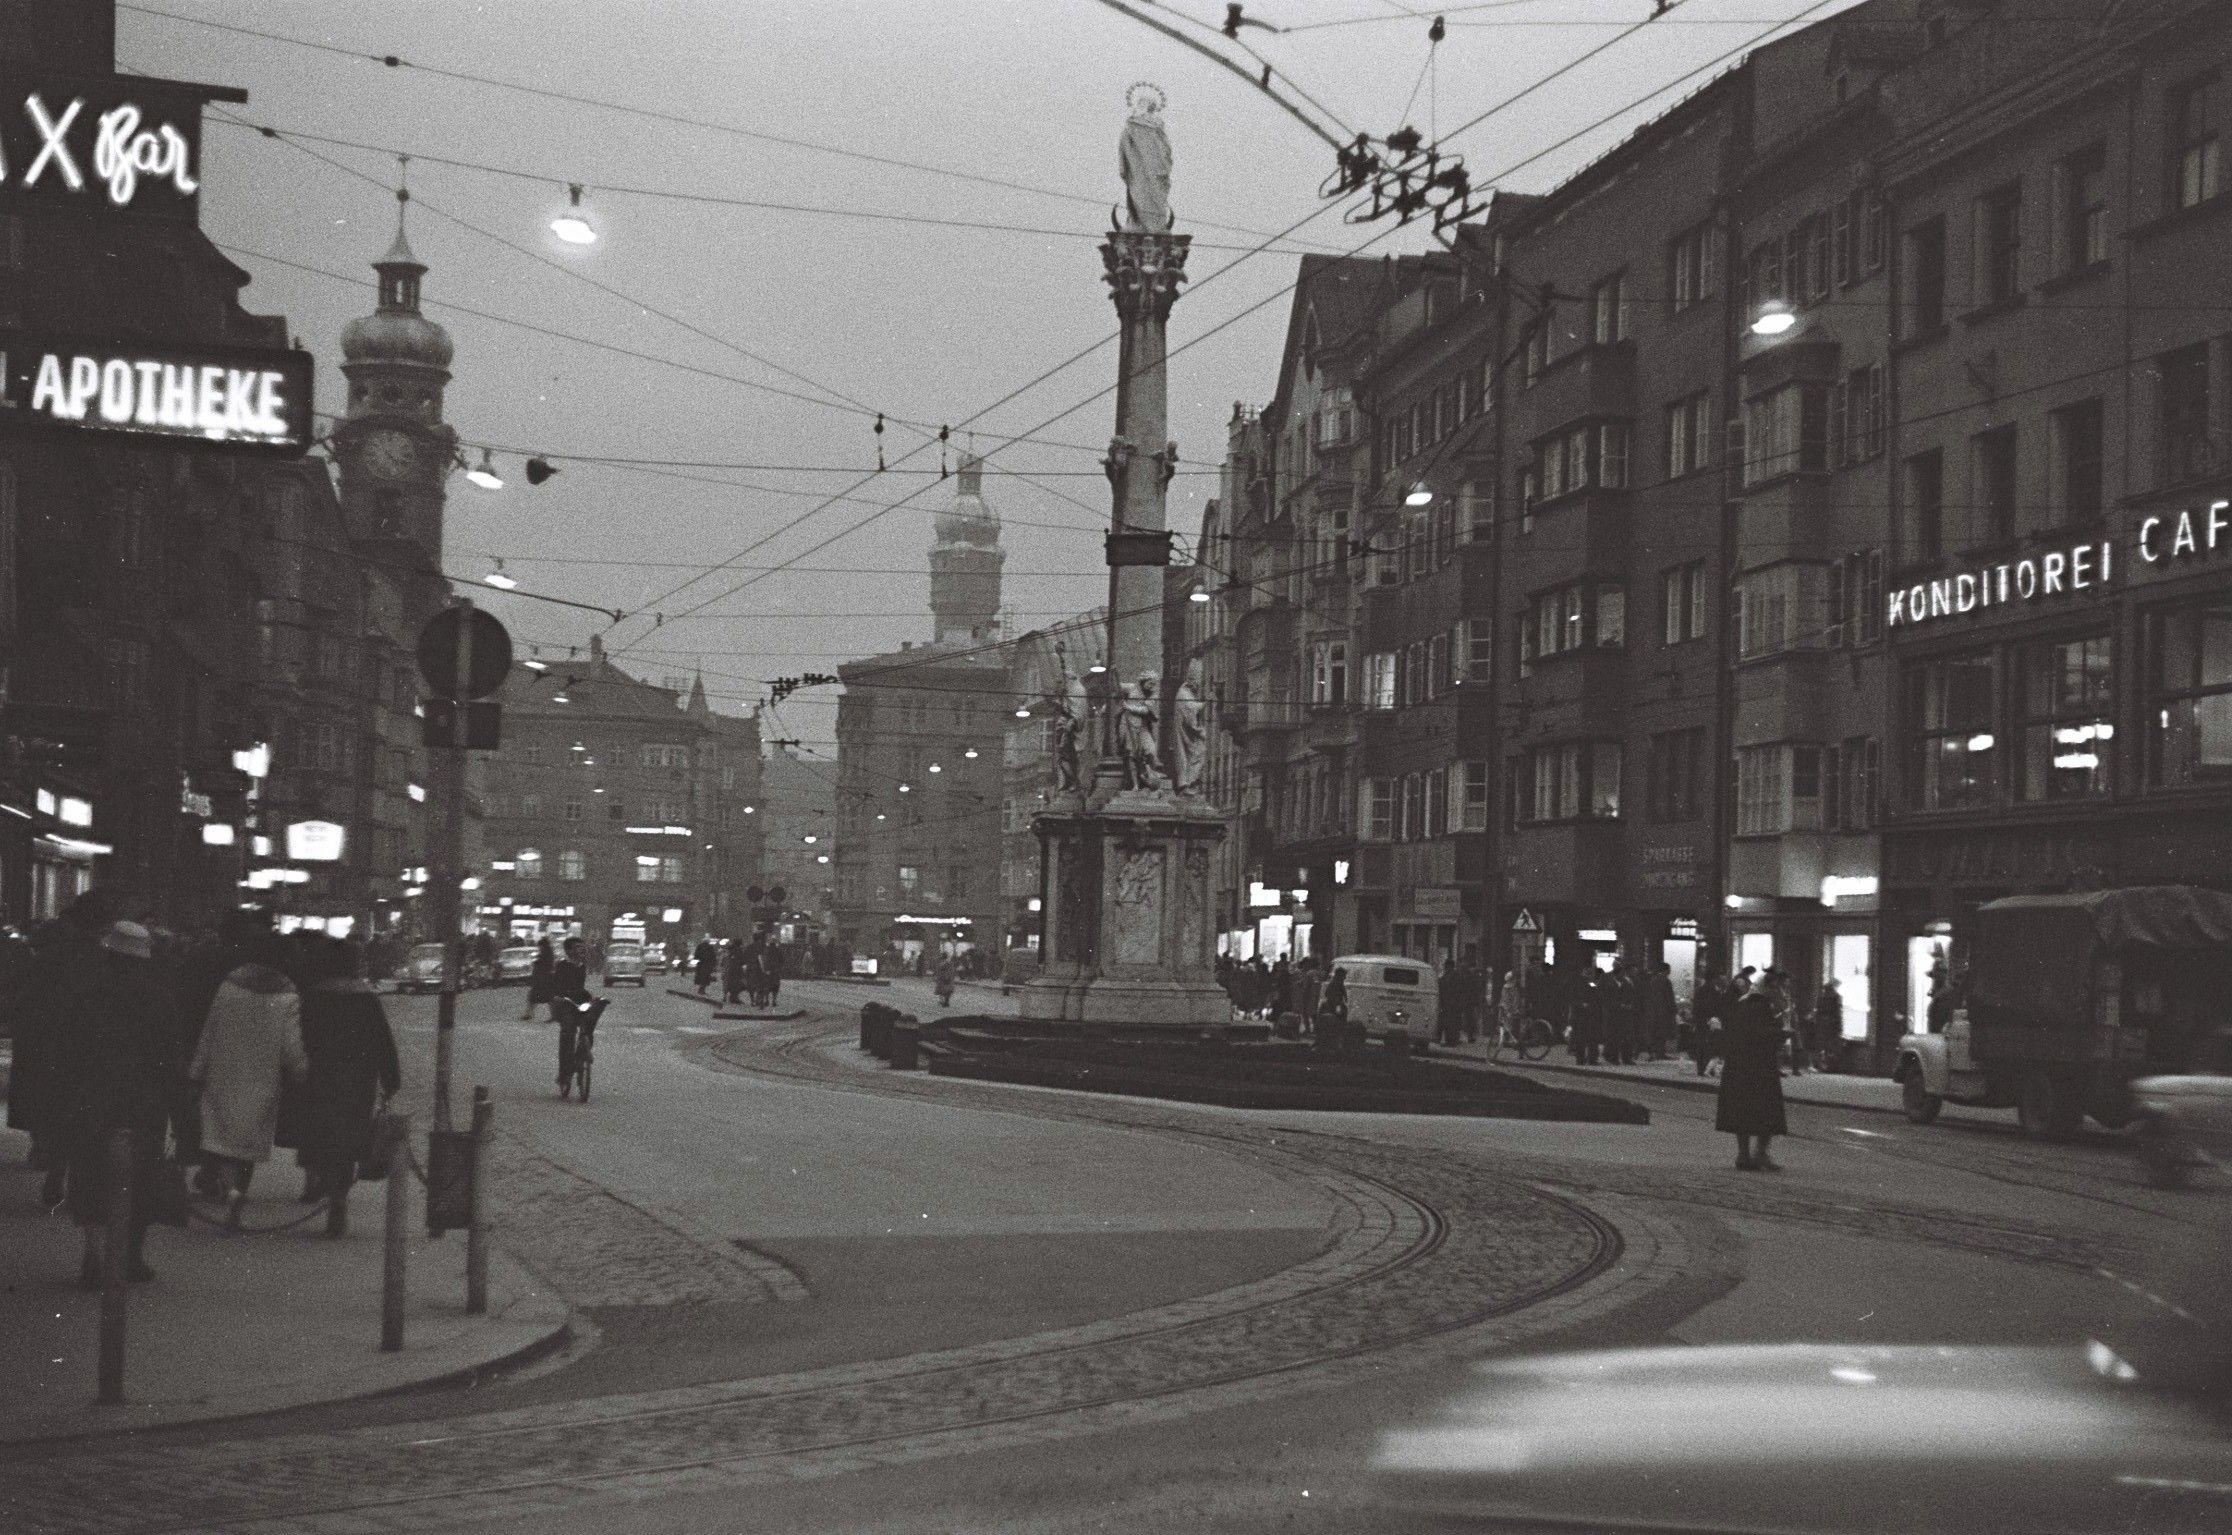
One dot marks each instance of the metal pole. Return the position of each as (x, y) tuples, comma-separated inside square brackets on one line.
[(449, 871), (476, 1221), (114, 1295), (395, 1247)]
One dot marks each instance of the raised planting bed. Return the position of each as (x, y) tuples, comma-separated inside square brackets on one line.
[(1262, 1075)]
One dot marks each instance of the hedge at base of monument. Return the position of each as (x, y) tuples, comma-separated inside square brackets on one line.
[(1265, 1075)]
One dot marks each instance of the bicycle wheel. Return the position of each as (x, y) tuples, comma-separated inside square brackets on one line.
[(582, 1075), (1535, 1040)]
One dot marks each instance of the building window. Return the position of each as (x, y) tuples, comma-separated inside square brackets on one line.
[(1856, 598), (2078, 461), (1786, 431), (1689, 435), (1379, 680), (1375, 809), (1477, 509), (1329, 672), (573, 810), (2191, 449), (1779, 789), (2189, 707), (1925, 265), (531, 754), (1675, 790), (670, 869), (1690, 267), (1994, 459), (1473, 806), (1583, 615), (528, 865), (1999, 245), (1581, 456), (573, 865), (1783, 607), (2081, 209), (1608, 320), (1574, 780), (2195, 110), (1479, 656), (1925, 498), (530, 805), (2067, 734), (1949, 708), (1763, 274), (1856, 416), (1682, 603), (1862, 762)]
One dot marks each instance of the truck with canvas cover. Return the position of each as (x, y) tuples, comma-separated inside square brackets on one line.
[(2067, 998)]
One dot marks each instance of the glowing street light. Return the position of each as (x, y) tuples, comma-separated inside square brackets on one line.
[(500, 581), (573, 226), (1774, 318), (1418, 495), (484, 473), (1197, 596)]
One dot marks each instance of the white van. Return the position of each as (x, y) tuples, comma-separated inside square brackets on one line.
[(1388, 992)]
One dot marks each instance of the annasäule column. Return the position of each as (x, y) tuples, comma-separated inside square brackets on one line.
[(1126, 837)]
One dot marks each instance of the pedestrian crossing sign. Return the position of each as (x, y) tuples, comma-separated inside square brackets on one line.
[(1525, 922)]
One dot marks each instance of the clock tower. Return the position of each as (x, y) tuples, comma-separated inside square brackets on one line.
[(392, 445)]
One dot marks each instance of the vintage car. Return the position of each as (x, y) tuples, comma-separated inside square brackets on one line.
[(422, 969), (2183, 1124), (515, 965), (1389, 994), (623, 961)]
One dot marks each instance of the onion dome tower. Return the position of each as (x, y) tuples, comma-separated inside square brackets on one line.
[(394, 449), (965, 563)]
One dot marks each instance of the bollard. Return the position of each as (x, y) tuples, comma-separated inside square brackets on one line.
[(114, 1294), (476, 1217), (906, 1040), (395, 1247)]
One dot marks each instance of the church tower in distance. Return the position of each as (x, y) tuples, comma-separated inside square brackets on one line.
[(965, 564)]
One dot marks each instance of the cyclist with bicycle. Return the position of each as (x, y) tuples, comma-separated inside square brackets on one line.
[(577, 1018)]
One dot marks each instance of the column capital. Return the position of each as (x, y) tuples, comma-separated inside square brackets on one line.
[(1143, 271)]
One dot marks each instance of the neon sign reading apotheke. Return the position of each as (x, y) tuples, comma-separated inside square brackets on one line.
[(240, 397), (2194, 533)]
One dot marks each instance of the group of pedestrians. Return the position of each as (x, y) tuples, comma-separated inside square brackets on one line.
[(751, 970), (210, 1053), (1303, 997)]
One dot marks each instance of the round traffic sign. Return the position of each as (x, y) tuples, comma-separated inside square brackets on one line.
[(488, 666)]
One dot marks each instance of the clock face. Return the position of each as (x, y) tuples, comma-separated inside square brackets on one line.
[(390, 454)]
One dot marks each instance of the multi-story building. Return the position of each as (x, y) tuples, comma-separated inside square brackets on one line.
[(921, 742), (619, 809), (127, 583), (797, 820), (2059, 601)]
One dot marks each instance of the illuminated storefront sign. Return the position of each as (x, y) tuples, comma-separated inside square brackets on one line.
[(317, 842), (120, 146), (2162, 538), (237, 396)]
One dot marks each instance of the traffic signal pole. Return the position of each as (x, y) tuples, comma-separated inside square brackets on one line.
[(449, 874)]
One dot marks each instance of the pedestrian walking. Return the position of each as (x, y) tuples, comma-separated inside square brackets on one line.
[(732, 971), (1618, 990), (1449, 1004), (773, 963), (1309, 986), (352, 1070), (943, 979), (1586, 1038), (251, 1045), (1282, 990), (116, 1072), (1826, 1026), (40, 1011), (538, 978), (1775, 985), (569, 1004), (703, 961), (1750, 1106), (1656, 993), (1330, 1027)]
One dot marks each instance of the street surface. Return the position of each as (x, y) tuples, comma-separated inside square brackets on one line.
[(813, 1294)]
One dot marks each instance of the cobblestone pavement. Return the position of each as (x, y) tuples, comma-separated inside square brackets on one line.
[(1426, 1246), (598, 1249)]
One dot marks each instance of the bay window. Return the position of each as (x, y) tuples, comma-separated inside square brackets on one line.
[(1379, 680), (2068, 736), (1784, 607), (1329, 672), (1584, 615), (1473, 797), (1571, 781), (1949, 707), (1786, 431), (1780, 788), (1594, 453)]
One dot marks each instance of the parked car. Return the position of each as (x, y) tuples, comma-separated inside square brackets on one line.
[(1388, 994), (2183, 1124), (655, 959), (422, 969), (515, 965), (623, 962)]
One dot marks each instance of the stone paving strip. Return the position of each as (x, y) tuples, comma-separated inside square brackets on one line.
[(599, 1249), (1426, 1245)]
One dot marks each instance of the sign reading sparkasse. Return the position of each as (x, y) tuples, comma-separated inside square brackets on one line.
[(102, 144), (234, 396), (2160, 538)]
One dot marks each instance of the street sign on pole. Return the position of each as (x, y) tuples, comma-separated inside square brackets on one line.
[(1525, 922), (457, 666)]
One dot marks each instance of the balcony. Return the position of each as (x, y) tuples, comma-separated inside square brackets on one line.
[(1789, 518), (1569, 861), (1789, 866), (1593, 681), (1576, 534), (1783, 697)]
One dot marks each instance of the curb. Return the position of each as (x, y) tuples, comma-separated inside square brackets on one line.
[(551, 1334), (1702, 1085)]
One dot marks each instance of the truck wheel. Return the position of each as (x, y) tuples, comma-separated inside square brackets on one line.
[(1920, 1103), (2160, 1159), (2045, 1107)]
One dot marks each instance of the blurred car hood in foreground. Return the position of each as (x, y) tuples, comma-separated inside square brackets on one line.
[(1816, 1438)]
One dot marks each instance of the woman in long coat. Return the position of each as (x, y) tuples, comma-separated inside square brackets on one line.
[(118, 1072), (1751, 1099), (353, 1063), (251, 1043), (538, 979)]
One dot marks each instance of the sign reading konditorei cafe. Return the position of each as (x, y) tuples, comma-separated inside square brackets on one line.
[(2161, 538), (102, 145)]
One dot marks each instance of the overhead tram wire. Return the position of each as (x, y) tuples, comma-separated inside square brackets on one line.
[(1374, 239), (395, 61)]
